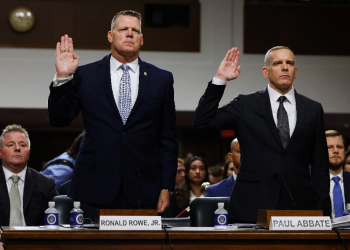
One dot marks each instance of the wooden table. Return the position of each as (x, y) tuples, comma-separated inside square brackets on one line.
[(190, 240)]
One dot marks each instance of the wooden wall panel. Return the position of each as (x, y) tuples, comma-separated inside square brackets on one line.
[(88, 23), (310, 29)]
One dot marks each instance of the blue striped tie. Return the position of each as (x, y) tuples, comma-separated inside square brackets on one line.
[(337, 198), (125, 94)]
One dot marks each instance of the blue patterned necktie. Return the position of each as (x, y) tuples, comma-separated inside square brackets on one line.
[(282, 122), (337, 198), (125, 94)]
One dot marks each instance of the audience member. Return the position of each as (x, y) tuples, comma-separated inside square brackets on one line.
[(347, 161), (224, 188), (196, 173), (339, 179), (24, 193), (228, 169), (180, 174), (61, 167), (215, 174)]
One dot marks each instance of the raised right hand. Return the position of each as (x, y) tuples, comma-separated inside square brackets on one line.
[(228, 69), (66, 60)]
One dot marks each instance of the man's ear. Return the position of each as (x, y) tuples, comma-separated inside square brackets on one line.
[(110, 36), (229, 155), (265, 72)]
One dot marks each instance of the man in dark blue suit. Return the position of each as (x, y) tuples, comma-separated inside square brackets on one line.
[(281, 133), (224, 187), (336, 152), (128, 154)]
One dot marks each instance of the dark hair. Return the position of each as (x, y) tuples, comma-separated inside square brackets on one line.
[(216, 171), (226, 166), (182, 195), (74, 148)]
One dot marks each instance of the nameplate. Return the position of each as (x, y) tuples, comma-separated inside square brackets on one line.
[(300, 223), (130, 223)]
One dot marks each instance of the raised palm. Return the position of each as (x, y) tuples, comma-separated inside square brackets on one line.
[(66, 60)]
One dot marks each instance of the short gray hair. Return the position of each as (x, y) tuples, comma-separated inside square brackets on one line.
[(268, 54), (125, 13), (14, 128)]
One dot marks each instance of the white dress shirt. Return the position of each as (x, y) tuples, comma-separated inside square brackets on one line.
[(289, 104), (193, 196), (341, 183), (116, 76), (21, 181)]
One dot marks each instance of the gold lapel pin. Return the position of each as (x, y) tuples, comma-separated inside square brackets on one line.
[(145, 73)]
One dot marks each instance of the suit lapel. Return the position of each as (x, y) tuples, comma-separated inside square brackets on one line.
[(301, 107), (104, 74), (229, 184), (144, 77), (4, 195), (28, 188), (265, 105)]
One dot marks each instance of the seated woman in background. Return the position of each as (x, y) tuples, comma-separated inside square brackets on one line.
[(228, 169), (196, 173)]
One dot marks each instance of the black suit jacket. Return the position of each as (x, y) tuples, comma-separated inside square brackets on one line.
[(265, 165), (346, 179), (140, 155), (38, 191)]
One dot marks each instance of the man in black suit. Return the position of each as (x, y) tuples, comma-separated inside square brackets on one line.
[(280, 137), (128, 154), (33, 191), (336, 151)]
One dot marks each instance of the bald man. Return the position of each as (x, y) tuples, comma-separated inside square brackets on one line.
[(224, 187)]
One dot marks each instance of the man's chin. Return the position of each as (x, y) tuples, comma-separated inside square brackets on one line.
[(335, 166)]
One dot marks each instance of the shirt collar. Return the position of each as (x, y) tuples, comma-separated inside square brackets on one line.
[(340, 175), (274, 95), (8, 173), (115, 64)]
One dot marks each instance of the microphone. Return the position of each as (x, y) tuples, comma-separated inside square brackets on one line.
[(285, 184)]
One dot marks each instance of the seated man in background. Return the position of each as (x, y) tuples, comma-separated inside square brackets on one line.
[(61, 167), (24, 193), (339, 179), (224, 188), (215, 175), (180, 174)]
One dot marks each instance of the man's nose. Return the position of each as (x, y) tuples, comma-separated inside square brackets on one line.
[(284, 66), (17, 147), (129, 33)]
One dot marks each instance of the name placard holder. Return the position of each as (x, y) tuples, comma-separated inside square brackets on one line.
[(283, 223), (264, 215), (128, 219)]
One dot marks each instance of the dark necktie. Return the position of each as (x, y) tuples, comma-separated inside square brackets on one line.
[(337, 198), (125, 94), (282, 122)]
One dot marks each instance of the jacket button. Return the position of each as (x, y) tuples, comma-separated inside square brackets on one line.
[(123, 133)]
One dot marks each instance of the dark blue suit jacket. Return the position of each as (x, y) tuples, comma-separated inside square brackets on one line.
[(38, 191), (346, 177), (265, 164), (140, 155), (221, 189)]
